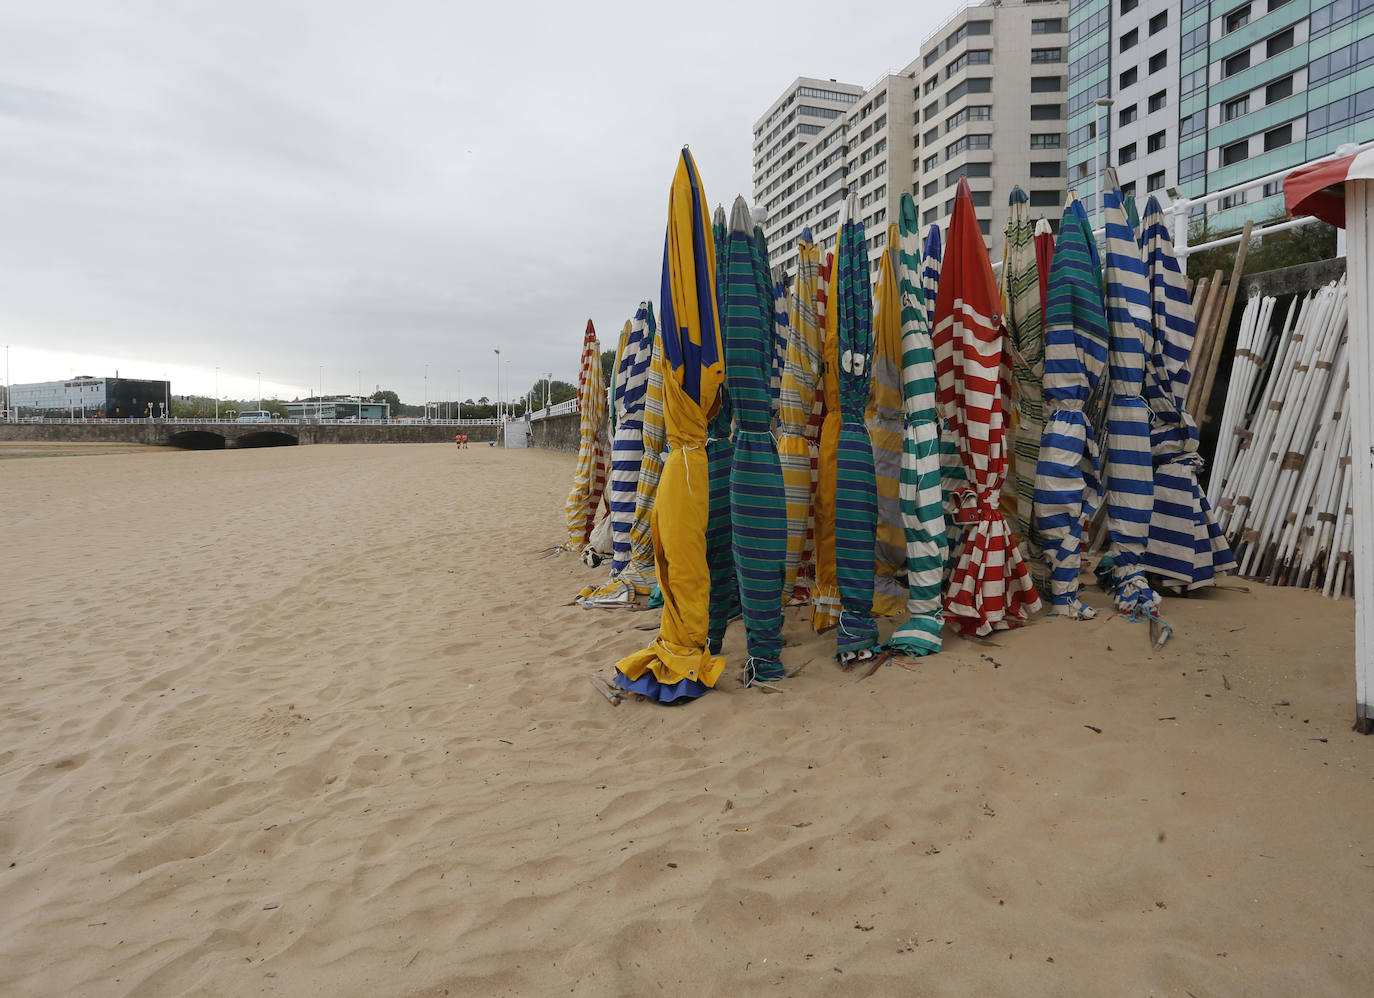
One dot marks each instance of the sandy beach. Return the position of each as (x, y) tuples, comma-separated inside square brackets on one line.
[(317, 721)]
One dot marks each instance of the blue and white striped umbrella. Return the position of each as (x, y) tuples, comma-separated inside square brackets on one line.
[(627, 447), (1185, 543), (1129, 467), (1066, 483)]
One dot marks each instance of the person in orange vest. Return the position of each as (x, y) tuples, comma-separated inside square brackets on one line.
[(458, 441)]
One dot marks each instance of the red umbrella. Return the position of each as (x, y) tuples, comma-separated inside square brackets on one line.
[(1341, 191), (1044, 256), (990, 588)]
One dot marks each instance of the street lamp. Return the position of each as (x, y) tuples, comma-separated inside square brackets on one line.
[(498, 383), (1105, 103), (217, 394), (259, 391), (460, 393), (426, 393)]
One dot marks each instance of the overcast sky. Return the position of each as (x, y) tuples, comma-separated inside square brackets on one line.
[(372, 187)]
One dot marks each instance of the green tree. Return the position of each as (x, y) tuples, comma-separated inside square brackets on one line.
[(390, 397), (1305, 244), (608, 365), (558, 391)]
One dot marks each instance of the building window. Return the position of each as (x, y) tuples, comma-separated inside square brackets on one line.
[(931, 84), (1277, 137), (1155, 142), (1281, 42), (1128, 189), (1235, 108), (1126, 115), (1047, 26), (1273, 188), (931, 111), (1129, 5), (985, 226), (931, 189), (931, 162), (1155, 182), (1236, 64), (1051, 168), (1046, 112), (1090, 25), (1231, 201), (1050, 140), (1047, 55), (1046, 84), (1126, 154), (1278, 90), (1236, 152), (978, 27), (1045, 199), (1129, 39), (1238, 18), (1192, 167), (1159, 22), (1158, 61), (931, 136), (1194, 124), (1193, 40), (1127, 78), (982, 199), (1158, 100), (1192, 82), (931, 216), (978, 169)]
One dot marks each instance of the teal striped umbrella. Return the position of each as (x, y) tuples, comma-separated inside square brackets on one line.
[(758, 506), (856, 490), (720, 456), (923, 515)]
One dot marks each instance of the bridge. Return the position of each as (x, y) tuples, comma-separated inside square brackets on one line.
[(219, 434)]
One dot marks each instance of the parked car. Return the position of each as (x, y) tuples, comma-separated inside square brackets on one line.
[(254, 416)]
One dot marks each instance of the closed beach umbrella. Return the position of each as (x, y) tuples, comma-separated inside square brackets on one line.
[(990, 587), (758, 508), (782, 326), (1185, 543), (589, 478), (825, 594), (1026, 343), (923, 516), (1044, 257), (1129, 467), (932, 257), (720, 456), (627, 447), (678, 665), (1066, 481), (638, 577), (796, 400), (856, 501), (951, 465), (883, 418)]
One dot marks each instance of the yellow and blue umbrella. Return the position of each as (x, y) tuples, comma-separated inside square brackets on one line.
[(1067, 488), (850, 317), (678, 664), (923, 513), (1129, 468), (627, 446), (758, 507), (825, 595), (1185, 542), (589, 477), (638, 577), (883, 418)]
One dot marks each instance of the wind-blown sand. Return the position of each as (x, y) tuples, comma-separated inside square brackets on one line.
[(315, 721)]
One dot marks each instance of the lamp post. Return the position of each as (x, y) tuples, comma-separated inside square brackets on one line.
[(1106, 104), (426, 393), (508, 404), (498, 383), (460, 393), (217, 394)]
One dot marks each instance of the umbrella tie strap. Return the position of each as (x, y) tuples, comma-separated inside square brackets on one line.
[(687, 465)]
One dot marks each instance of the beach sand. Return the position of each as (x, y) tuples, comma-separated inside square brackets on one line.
[(317, 721)]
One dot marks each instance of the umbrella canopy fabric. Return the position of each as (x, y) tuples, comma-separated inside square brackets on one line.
[(1066, 481), (923, 515), (1319, 189), (758, 507), (883, 418), (1129, 467), (1021, 292), (932, 260), (1044, 257), (1185, 542), (796, 399), (720, 456), (678, 665), (639, 575), (825, 595), (627, 447), (856, 500), (589, 478), (952, 478), (990, 587)]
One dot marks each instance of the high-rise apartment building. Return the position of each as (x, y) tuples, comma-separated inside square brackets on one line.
[(1201, 96), (990, 95)]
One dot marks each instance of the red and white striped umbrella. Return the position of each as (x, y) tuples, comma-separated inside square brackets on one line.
[(1319, 189)]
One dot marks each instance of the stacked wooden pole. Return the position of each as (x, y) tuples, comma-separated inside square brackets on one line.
[(1281, 479)]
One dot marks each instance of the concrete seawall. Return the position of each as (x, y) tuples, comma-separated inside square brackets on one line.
[(564, 433), (214, 436)]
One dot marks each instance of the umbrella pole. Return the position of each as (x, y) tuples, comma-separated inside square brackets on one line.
[(1359, 234)]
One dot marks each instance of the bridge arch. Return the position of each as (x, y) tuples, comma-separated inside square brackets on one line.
[(268, 438), (197, 440)]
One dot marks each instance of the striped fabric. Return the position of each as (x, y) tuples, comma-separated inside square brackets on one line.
[(856, 500), (1044, 257), (807, 572), (720, 456), (1129, 469), (1026, 343), (627, 448), (922, 501), (781, 326), (883, 417), (677, 665), (952, 478), (796, 398), (932, 260), (825, 594), (990, 588), (758, 508), (1185, 543), (589, 478), (640, 573), (1066, 483)]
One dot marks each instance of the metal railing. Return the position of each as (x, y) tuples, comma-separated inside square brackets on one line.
[(560, 409), (211, 421)]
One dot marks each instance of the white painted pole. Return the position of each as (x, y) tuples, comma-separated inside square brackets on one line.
[(1359, 244)]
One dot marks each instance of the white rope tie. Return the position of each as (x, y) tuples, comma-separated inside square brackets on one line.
[(687, 465)]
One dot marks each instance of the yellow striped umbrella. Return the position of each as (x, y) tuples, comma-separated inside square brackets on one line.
[(884, 420)]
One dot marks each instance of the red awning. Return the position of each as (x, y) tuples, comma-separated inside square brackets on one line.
[(1319, 189)]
